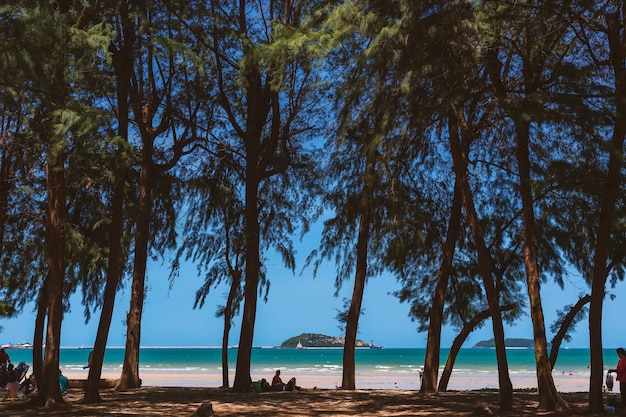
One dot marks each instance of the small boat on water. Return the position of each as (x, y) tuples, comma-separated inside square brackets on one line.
[(19, 345), (299, 345), (374, 346)]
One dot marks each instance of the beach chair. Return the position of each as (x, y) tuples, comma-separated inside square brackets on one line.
[(20, 371)]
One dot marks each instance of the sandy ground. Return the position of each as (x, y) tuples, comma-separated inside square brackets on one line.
[(180, 394), (183, 401), (577, 382)]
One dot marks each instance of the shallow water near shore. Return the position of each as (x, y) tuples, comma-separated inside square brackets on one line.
[(385, 368)]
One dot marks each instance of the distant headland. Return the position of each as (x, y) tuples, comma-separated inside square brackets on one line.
[(306, 340), (509, 342)]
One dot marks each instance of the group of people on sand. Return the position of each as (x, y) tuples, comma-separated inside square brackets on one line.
[(276, 385), (13, 380)]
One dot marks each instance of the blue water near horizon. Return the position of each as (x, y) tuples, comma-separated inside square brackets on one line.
[(311, 360)]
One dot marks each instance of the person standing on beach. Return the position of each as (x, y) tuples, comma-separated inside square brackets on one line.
[(89, 360), (621, 374), (4, 358)]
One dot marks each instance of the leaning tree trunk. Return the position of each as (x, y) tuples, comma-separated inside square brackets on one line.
[(360, 276), (458, 341), (433, 342), (611, 190), (92, 390), (564, 328), (549, 399), (460, 157)]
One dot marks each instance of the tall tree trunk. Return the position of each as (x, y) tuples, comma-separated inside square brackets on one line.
[(243, 381), (484, 260), (433, 342), (360, 276), (468, 328), (121, 60), (130, 369), (610, 193), (49, 390), (92, 390), (549, 399)]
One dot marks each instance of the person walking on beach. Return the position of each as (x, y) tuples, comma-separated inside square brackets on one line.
[(621, 374)]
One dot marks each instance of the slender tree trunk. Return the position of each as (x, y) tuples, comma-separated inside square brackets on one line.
[(49, 390), (484, 260), (228, 317), (433, 342), (38, 339), (121, 60), (130, 369), (243, 381), (360, 276), (549, 399), (611, 190), (467, 329), (565, 325), (92, 390)]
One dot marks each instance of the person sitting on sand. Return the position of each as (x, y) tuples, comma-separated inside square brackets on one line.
[(64, 383), (28, 387), (12, 384), (278, 385), (621, 374)]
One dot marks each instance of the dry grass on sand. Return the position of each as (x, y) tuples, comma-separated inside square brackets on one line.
[(157, 401)]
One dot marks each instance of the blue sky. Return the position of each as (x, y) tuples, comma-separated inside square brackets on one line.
[(297, 304)]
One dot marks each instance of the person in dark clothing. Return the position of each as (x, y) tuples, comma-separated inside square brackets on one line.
[(4, 358)]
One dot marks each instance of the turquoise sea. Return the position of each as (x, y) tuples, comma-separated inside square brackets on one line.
[(320, 361)]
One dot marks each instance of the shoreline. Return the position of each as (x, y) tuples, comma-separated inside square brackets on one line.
[(577, 382)]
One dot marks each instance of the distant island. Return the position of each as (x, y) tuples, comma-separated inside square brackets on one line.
[(306, 340), (509, 342)]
